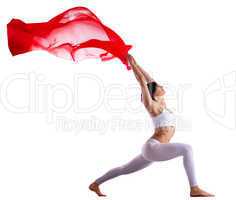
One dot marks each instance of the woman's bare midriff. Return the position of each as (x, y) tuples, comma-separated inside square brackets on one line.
[(164, 134)]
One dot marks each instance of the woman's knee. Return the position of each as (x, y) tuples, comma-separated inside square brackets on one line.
[(187, 148), (127, 169), (124, 169)]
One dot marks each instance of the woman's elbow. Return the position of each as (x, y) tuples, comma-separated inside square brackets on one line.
[(142, 81)]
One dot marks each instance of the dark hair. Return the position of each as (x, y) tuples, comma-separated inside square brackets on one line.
[(151, 88)]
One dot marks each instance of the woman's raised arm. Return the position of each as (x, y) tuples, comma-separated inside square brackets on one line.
[(147, 99)]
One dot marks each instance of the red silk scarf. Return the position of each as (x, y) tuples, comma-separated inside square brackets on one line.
[(75, 34)]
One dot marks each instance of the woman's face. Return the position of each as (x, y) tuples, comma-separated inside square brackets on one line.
[(159, 91)]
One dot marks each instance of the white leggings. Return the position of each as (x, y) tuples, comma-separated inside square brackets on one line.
[(153, 150)]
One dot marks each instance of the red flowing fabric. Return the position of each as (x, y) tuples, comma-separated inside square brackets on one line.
[(75, 34)]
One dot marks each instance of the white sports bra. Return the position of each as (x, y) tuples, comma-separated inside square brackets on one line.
[(166, 118)]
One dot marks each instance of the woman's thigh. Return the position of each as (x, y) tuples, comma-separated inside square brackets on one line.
[(166, 151)]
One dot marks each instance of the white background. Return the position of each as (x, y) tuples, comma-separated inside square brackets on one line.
[(188, 46)]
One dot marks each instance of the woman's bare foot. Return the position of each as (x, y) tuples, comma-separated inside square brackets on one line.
[(197, 192), (95, 188)]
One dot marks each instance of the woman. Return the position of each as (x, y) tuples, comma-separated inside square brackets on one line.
[(158, 146)]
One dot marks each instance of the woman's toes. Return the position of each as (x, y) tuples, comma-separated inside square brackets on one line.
[(201, 193)]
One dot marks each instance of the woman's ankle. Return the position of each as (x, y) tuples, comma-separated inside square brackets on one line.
[(95, 183), (194, 188)]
